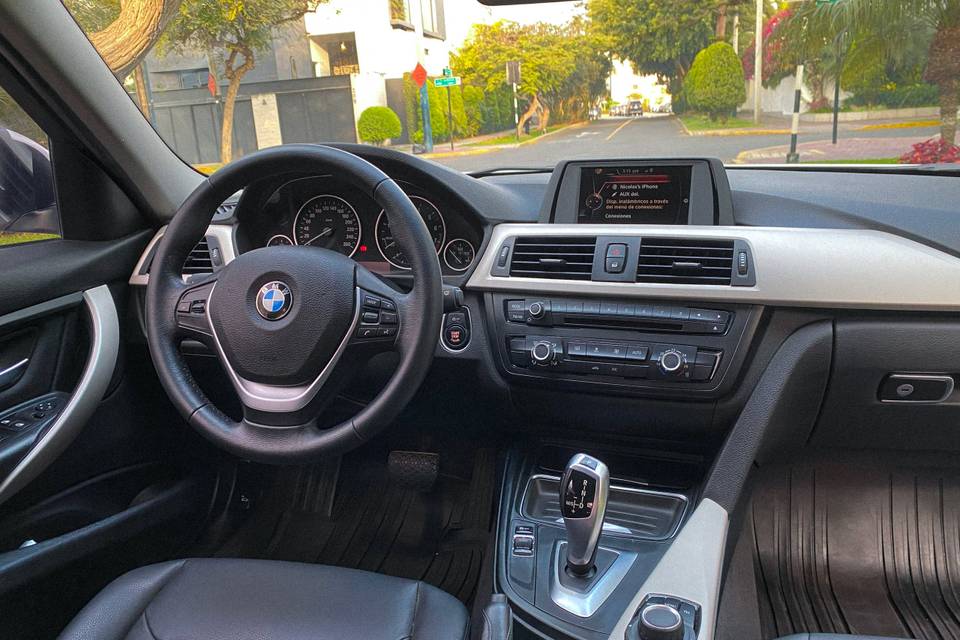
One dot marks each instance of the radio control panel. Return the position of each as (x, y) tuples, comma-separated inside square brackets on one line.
[(647, 346), (637, 360)]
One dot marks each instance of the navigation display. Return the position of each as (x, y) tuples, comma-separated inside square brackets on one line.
[(634, 195)]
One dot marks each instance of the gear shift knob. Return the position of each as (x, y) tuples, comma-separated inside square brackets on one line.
[(583, 503)]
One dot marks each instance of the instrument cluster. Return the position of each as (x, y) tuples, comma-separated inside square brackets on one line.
[(322, 211)]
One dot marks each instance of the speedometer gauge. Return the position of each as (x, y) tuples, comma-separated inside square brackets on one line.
[(388, 245), (329, 222)]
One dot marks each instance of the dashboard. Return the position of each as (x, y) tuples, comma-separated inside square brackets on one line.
[(324, 211)]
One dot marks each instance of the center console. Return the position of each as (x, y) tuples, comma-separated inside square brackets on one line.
[(577, 540)]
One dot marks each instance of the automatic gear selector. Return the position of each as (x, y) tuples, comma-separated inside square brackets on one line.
[(583, 503)]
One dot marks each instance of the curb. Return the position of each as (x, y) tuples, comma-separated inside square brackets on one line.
[(746, 131), (471, 151)]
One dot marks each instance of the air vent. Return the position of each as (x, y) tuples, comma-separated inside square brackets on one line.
[(685, 261), (199, 260), (564, 258)]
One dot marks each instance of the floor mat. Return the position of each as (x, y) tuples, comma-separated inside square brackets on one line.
[(372, 524), (853, 546)]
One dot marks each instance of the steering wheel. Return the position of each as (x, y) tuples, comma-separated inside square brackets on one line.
[(290, 324)]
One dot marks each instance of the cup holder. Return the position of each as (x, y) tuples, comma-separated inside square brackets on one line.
[(631, 512)]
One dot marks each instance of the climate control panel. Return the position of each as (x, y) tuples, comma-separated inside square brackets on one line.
[(617, 359)]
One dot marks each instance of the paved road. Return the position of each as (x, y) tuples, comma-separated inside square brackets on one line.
[(650, 136)]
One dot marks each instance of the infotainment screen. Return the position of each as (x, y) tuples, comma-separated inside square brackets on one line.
[(634, 194)]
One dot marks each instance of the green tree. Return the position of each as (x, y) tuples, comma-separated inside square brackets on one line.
[(715, 82), (891, 31), (377, 124), (562, 66), (234, 31), (657, 37)]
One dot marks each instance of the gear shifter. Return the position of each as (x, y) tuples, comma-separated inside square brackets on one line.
[(583, 502)]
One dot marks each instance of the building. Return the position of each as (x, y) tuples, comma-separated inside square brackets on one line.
[(376, 42)]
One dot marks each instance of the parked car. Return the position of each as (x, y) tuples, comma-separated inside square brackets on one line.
[(635, 108)]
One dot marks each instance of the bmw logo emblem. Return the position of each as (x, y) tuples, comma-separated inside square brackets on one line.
[(274, 300)]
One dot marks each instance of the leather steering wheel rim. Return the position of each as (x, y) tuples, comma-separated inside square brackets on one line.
[(420, 310)]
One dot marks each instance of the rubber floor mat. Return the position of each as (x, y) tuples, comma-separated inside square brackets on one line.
[(439, 536), (850, 546)]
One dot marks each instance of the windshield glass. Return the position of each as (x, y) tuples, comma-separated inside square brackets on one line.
[(477, 87)]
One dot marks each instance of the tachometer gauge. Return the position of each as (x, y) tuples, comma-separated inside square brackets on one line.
[(459, 254), (388, 245), (279, 240), (329, 222)]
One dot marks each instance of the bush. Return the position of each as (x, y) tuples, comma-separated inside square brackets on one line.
[(932, 151), (438, 111), (715, 83), (377, 124), (896, 97)]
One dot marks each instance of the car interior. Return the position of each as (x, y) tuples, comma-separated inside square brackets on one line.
[(479, 409)]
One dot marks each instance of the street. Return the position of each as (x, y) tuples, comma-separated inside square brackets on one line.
[(662, 136)]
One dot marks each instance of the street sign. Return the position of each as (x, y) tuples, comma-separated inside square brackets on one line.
[(447, 72), (513, 72), (451, 81), (419, 75)]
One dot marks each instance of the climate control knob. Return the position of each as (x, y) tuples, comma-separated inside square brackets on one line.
[(671, 361), (542, 352)]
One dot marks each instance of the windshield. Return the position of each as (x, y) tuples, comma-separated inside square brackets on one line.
[(480, 88)]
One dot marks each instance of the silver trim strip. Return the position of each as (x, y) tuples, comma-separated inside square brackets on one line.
[(907, 376), (14, 367), (584, 605), (277, 399), (104, 346), (690, 569), (608, 528), (849, 268), (224, 233)]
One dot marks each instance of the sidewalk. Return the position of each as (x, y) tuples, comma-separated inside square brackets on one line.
[(824, 151), (473, 146)]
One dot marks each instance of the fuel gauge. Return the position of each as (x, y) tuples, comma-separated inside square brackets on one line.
[(459, 254)]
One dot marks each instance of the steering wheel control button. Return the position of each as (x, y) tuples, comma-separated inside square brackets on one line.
[(192, 309), (378, 318), (274, 300)]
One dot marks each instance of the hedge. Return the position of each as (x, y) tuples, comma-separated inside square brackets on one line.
[(377, 124), (715, 84), (474, 110)]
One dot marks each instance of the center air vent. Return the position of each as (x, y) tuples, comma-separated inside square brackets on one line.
[(685, 261), (563, 258), (199, 260)]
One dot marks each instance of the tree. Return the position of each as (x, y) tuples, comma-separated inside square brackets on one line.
[(657, 37), (715, 82), (562, 67), (235, 31), (377, 124), (123, 31), (890, 31)]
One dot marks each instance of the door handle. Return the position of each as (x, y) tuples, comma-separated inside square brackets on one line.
[(11, 374)]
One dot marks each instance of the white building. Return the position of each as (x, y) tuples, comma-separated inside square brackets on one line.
[(377, 40)]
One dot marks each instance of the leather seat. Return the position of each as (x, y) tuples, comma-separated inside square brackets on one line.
[(228, 599)]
